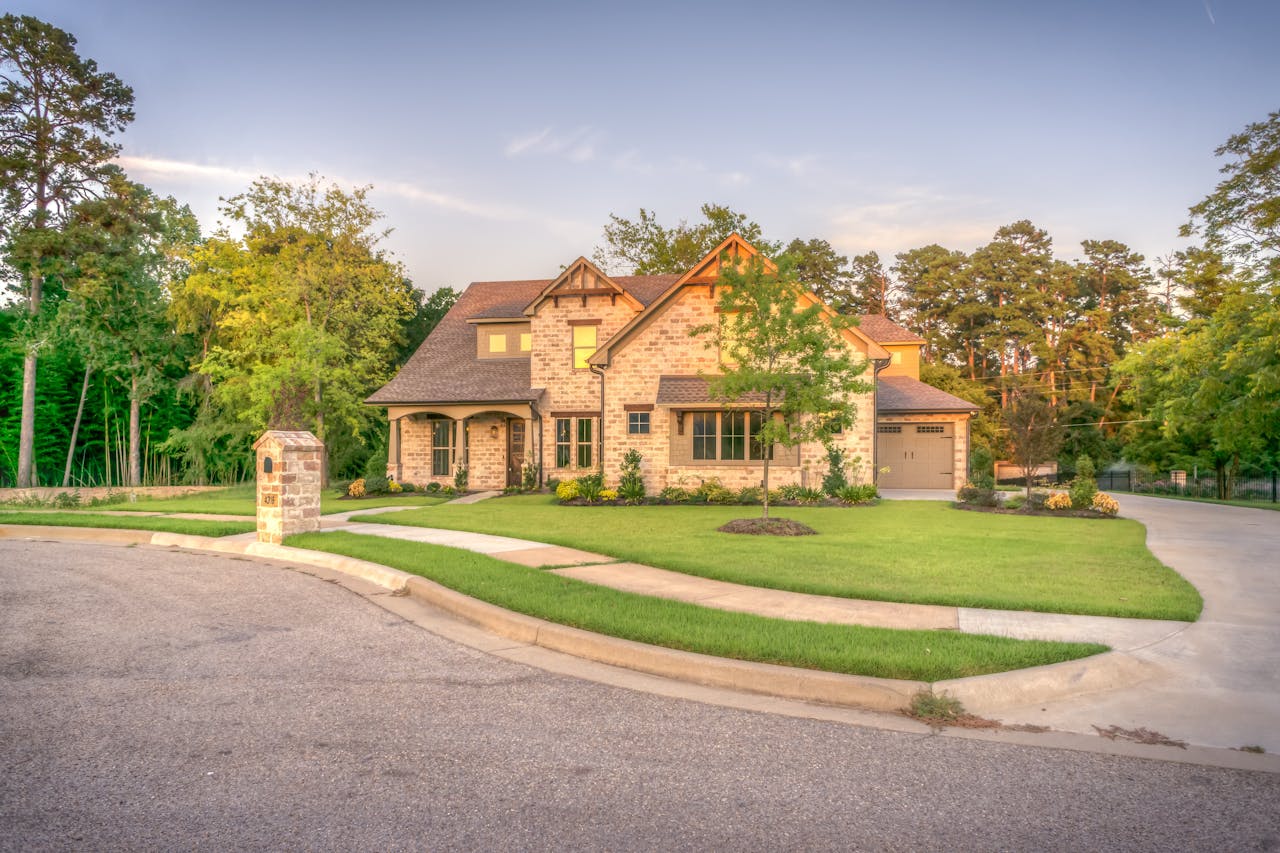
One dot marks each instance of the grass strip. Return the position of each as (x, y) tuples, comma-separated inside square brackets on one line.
[(194, 527), (239, 500), (882, 652), (918, 552)]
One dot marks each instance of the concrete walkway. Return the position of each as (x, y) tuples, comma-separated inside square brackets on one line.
[(1120, 634)]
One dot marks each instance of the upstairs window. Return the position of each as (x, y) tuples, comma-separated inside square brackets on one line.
[(584, 344)]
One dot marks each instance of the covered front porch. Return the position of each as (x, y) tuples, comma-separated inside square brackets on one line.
[(493, 442)]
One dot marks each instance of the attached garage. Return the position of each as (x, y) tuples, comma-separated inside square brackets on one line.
[(916, 455), (922, 435)]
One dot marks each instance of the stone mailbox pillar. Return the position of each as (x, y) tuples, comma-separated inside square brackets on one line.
[(288, 465)]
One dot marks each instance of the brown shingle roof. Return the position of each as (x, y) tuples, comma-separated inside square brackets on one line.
[(445, 368), (882, 330), (693, 391), (904, 394)]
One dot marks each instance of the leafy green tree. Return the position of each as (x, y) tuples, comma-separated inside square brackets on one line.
[(299, 319), (872, 284), (820, 268), (428, 311), (645, 247), (785, 349), (1241, 217), (1205, 279), (940, 303), (125, 247), (56, 110)]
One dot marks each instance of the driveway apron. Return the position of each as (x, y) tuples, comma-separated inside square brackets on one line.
[(1218, 681)]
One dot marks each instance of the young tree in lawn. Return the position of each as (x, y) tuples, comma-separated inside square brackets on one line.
[(56, 110), (1034, 433), (782, 349)]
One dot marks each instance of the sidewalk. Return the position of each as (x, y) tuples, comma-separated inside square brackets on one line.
[(1120, 634)]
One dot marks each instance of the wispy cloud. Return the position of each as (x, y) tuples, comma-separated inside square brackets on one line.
[(909, 217), (578, 145), (161, 168)]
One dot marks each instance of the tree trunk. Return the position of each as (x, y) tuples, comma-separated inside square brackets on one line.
[(27, 431), (75, 429), (135, 430)]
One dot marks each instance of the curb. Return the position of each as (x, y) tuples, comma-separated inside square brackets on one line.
[(980, 694)]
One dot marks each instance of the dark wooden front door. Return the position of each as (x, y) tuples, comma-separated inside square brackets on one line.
[(515, 450)]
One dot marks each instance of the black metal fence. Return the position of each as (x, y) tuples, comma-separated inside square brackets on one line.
[(1262, 487)]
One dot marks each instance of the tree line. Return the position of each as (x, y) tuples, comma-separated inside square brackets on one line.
[(137, 350)]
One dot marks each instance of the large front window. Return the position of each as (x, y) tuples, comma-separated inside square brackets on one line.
[(441, 448), (727, 436)]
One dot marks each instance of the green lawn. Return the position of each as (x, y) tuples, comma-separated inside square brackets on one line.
[(916, 655), (238, 500), (922, 552), (191, 526)]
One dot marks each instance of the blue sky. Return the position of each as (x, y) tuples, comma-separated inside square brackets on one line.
[(499, 136)]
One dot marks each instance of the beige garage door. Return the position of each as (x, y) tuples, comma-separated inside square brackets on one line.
[(918, 456)]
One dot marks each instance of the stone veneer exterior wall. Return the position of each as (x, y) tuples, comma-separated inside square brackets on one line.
[(664, 347)]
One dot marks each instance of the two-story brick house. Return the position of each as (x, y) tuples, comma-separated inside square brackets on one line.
[(563, 374)]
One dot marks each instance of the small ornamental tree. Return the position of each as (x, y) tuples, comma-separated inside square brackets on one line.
[(1034, 433), (783, 353)]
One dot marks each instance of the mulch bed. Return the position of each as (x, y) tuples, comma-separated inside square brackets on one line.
[(767, 527), (1056, 513)]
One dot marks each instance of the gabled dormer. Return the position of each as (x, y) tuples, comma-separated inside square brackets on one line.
[(581, 281), (903, 346)]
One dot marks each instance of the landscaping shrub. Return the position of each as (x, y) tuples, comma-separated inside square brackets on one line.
[(376, 485), (460, 478), (1014, 502), (713, 492), (590, 486), (511, 490), (1058, 501), (394, 488), (567, 491), (631, 484), (1084, 486), (356, 489), (67, 500), (858, 494), (433, 487), (376, 464), (977, 496), (809, 496), (835, 478), (409, 487), (608, 494), (790, 492), (529, 475), (750, 495), (448, 491), (1105, 504), (674, 495), (553, 483)]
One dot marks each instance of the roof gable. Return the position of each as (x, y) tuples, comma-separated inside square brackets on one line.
[(581, 279)]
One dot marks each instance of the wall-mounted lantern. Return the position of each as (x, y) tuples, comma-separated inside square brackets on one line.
[(493, 431)]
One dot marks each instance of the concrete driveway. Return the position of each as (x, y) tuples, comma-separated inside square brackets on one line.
[(1217, 682)]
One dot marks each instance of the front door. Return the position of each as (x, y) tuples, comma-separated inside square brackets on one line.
[(515, 450)]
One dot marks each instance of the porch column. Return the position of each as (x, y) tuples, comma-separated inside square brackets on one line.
[(394, 449)]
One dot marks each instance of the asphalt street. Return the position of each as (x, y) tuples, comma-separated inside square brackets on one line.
[(156, 699)]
